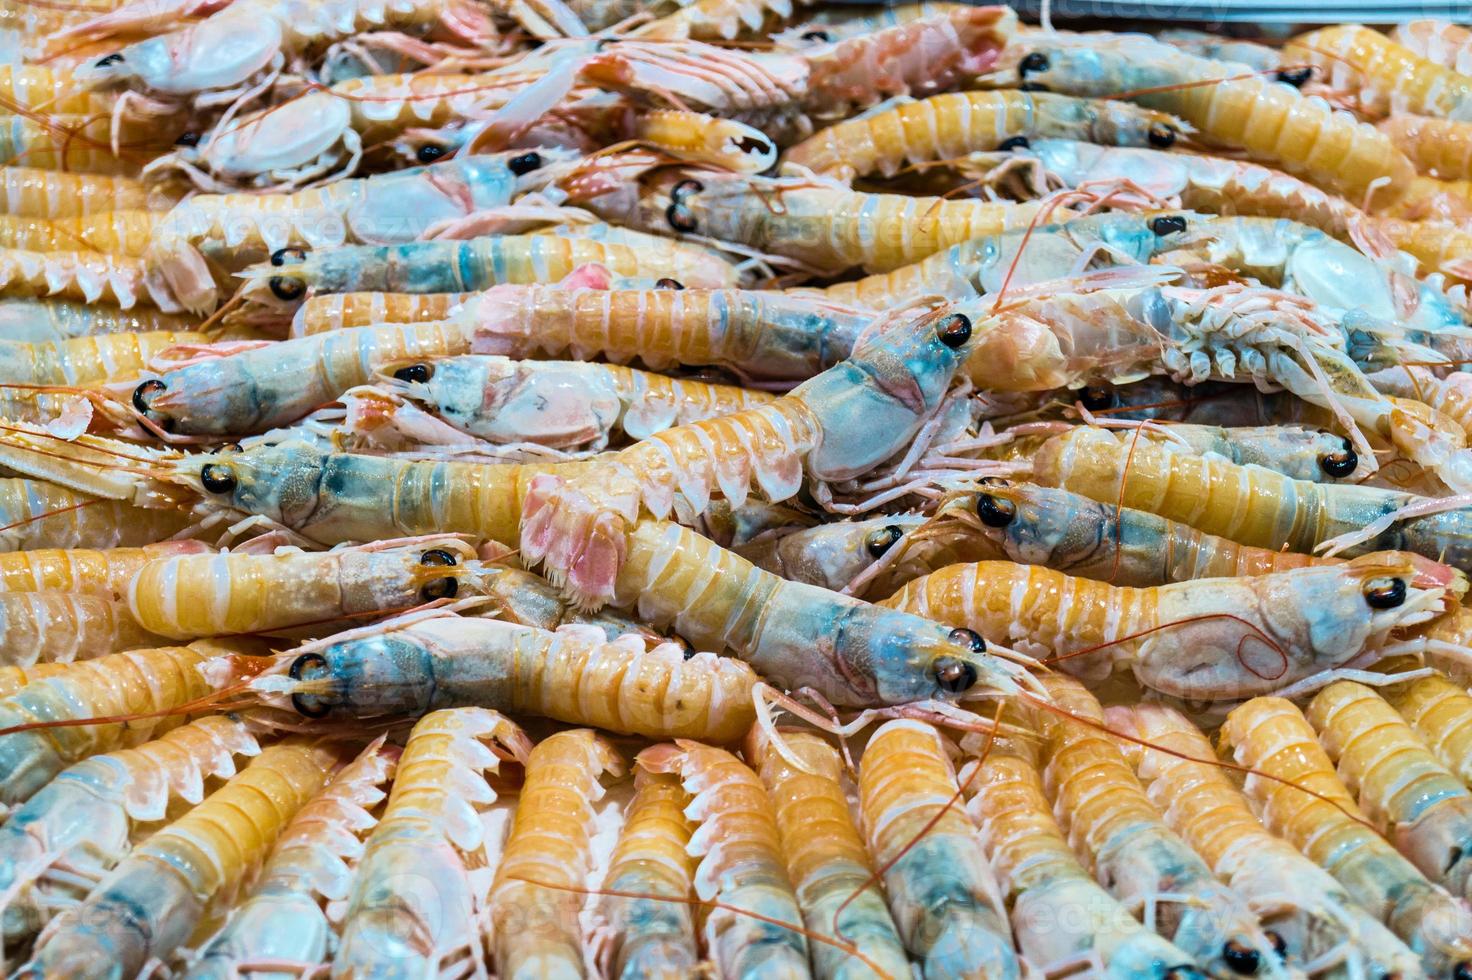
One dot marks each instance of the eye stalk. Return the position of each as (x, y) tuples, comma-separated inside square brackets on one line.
[(1340, 464), (286, 288), (1386, 593), (995, 511), (218, 478), (1168, 225), (1241, 958), (1033, 62), (525, 163), (880, 541), (309, 706), (954, 331), (954, 676), (1162, 136)]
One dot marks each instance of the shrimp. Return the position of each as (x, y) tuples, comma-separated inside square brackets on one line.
[(283, 920), (897, 380), (152, 900), (741, 864), (715, 20), (836, 888), (50, 320), (69, 142), (825, 228), (1379, 75), (137, 682), (535, 923), (1443, 43), (34, 192), (1040, 877), (575, 674), (84, 571), (652, 935), (942, 894), (1438, 246), (81, 823), (413, 908), (478, 263), (86, 360), (1210, 639), (1018, 258), (1068, 533), (224, 390), (1217, 185), (237, 230), (953, 125), (39, 514), (855, 653), (1423, 808), (338, 311), (190, 596), (1298, 797), (1438, 709), (759, 334), (562, 404), (1212, 496), (1229, 105), (1298, 901), (1137, 858)]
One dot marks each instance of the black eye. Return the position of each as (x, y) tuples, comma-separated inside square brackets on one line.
[(217, 478), (1241, 958), (680, 218), (415, 373), (995, 511), (290, 255), (525, 163), (954, 676), (954, 331), (1279, 944), (187, 139), (307, 705), (287, 288), (1340, 464), (440, 588), (1097, 399), (1386, 593), (1463, 971), (115, 58), (1033, 62), (437, 558), (668, 283), (1296, 76), (143, 394), (880, 541), (429, 153), (817, 36), (1161, 136), (1014, 143), (970, 639), (1168, 225)]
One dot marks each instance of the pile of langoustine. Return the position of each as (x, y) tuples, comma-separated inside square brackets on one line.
[(1032, 542)]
